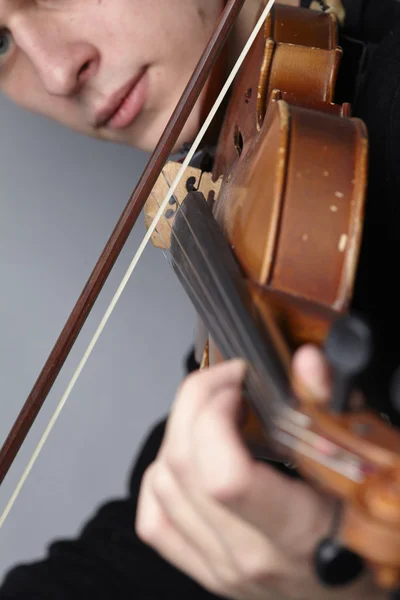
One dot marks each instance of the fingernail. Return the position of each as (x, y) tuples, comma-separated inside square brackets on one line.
[(238, 364)]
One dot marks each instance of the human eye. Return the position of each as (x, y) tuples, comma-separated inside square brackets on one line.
[(5, 43)]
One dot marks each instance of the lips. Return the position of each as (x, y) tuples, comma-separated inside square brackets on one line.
[(124, 105)]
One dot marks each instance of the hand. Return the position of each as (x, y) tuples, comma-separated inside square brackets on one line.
[(235, 525)]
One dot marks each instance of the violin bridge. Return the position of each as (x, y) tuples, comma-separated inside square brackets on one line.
[(193, 180)]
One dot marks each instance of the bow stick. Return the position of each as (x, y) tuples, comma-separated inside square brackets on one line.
[(116, 242)]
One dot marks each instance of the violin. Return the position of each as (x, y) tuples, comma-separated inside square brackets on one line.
[(266, 245)]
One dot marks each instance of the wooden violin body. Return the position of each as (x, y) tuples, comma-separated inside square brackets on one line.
[(290, 175), (292, 167), (294, 170)]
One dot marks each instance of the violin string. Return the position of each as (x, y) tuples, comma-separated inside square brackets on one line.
[(134, 262), (221, 321), (231, 345), (226, 342), (219, 318), (246, 346), (285, 432), (234, 346)]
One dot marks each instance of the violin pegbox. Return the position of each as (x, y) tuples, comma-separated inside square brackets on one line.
[(194, 180)]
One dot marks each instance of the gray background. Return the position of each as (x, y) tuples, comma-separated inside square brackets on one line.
[(60, 197)]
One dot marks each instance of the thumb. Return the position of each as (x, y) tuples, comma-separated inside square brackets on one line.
[(311, 374)]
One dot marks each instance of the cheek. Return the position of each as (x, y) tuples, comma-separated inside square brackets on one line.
[(23, 86), (184, 43), (156, 32)]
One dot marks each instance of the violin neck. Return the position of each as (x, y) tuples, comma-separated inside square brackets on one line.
[(210, 275)]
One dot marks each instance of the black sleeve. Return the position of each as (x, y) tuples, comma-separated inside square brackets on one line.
[(368, 20), (377, 291), (107, 560), (371, 20)]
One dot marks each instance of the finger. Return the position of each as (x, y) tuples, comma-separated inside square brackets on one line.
[(237, 555), (230, 477), (311, 374), (221, 460), (219, 465), (290, 513), (181, 513), (195, 394), (155, 529), (200, 387)]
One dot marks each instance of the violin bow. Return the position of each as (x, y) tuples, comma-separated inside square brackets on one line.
[(116, 242)]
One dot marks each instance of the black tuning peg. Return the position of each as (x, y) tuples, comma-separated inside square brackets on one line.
[(334, 564), (348, 349)]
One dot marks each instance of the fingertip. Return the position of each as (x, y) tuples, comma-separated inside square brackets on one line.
[(311, 372), (234, 369), (204, 384), (239, 366)]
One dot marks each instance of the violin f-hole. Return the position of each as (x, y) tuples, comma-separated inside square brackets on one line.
[(238, 140)]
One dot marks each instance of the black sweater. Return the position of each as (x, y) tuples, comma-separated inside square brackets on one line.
[(107, 561)]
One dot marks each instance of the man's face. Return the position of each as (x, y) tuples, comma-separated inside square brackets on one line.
[(112, 69)]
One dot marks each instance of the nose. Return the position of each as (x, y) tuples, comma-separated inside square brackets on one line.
[(64, 66)]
